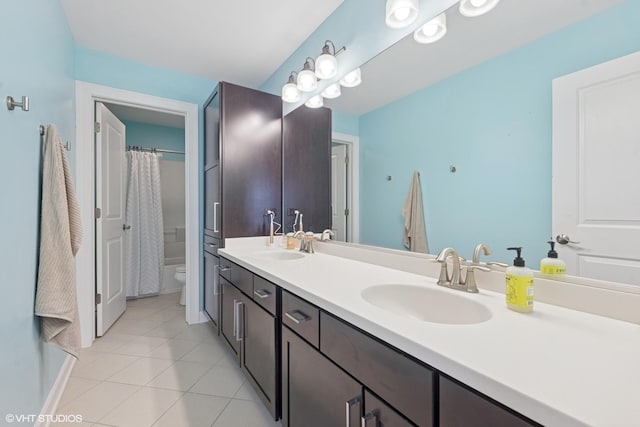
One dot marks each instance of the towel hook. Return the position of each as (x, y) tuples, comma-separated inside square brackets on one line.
[(67, 145), (12, 103)]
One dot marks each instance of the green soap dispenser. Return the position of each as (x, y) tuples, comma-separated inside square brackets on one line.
[(552, 266), (519, 291)]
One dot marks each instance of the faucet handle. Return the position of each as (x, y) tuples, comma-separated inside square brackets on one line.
[(499, 264), (470, 280)]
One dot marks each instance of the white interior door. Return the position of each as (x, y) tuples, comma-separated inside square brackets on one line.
[(111, 173), (596, 170), (339, 164)]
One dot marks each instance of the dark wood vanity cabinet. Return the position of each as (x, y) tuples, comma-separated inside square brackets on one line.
[(251, 326), (243, 161), (460, 406), (211, 280), (315, 392), (307, 167)]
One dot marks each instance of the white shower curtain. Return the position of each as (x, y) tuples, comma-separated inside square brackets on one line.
[(144, 251)]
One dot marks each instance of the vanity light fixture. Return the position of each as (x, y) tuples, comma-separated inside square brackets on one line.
[(315, 102), (307, 81), (332, 91), (327, 64), (401, 13), (473, 8), (352, 79), (432, 31), (290, 92)]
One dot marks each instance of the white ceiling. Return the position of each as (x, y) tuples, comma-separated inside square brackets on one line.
[(408, 66), (242, 42)]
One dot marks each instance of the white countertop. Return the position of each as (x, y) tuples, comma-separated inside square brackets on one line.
[(559, 367)]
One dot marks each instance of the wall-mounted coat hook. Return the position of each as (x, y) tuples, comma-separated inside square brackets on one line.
[(12, 103), (67, 145)]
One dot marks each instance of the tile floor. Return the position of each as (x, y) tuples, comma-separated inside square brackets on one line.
[(152, 369)]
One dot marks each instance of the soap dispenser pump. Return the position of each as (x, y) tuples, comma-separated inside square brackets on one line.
[(519, 281), (551, 265)]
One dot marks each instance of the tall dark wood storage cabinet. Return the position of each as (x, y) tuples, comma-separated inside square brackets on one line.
[(242, 172), (307, 167)]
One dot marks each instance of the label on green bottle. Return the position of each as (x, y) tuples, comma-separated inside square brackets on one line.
[(519, 291), (553, 269)]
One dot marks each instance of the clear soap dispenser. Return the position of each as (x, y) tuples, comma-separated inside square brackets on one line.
[(551, 265), (519, 280)]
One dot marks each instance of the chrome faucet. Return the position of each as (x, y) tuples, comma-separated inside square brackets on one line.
[(470, 279), (454, 281), (306, 241)]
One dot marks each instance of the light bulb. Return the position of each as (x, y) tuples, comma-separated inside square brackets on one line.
[(478, 3), (307, 81), (326, 66), (290, 93), (332, 91), (354, 78), (473, 8), (314, 102), (402, 13), (430, 29)]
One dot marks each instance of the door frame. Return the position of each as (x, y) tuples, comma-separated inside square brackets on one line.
[(86, 96), (353, 183)]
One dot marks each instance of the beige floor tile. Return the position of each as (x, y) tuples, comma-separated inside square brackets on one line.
[(247, 392), (167, 314), (220, 381), (69, 422), (180, 376), (245, 413), (86, 356), (141, 346), (193, 410), (198, 332), (139, 313), (142, 409), (97, 402), (168, 329), (103, 367), (110, 341), (174, 349), (133, 326), (228, 359), (76, 387), (206, 352), (141, 371)]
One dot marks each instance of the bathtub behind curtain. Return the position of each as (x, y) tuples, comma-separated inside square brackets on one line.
[(144, 241)]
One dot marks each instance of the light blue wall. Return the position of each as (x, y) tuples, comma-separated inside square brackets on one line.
[(108, 70), (37, 57), (344, 123), (153, 136), (358, 25), (493, 122)]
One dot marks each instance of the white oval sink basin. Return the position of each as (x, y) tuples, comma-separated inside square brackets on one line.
[(427, 305), (278, 256)]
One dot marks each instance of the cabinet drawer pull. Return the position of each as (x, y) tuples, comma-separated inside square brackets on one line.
[(262, 293), (348, 405), (373, 415), (297, 316), (236, 303), (240, 314), (215, 217), (212, 245), (216, 280), (223, 269)]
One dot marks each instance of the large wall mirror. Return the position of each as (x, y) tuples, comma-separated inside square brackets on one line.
[(477, 102)]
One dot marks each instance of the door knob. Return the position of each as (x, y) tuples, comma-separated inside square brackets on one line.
[(564, 239), (126, 227)]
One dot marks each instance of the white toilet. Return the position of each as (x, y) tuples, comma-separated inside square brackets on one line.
[(181, 277)]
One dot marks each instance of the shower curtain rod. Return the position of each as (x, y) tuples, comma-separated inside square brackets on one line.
[(154, 150)]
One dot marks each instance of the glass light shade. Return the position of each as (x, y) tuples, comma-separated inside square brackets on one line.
[(332, 91), (352, 79), (307, 81), (401, 13), (314, 102), (290, 93), (326, 66), (473, 8), (432, 31)]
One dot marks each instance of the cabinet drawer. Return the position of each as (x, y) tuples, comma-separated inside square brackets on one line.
[(377, 413), (460, 406), (211, 245), (403, 383), (302, 317), (239, 276), (265, 293)]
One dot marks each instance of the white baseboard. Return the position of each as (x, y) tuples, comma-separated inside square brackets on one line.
[(53, 399)]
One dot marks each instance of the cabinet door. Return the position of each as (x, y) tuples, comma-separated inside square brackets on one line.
[(460, 407), (315, 392), (379, 414), (212, 202), (230, 316), (212, 131), (211, 287), (259, 353), (307, 167)]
